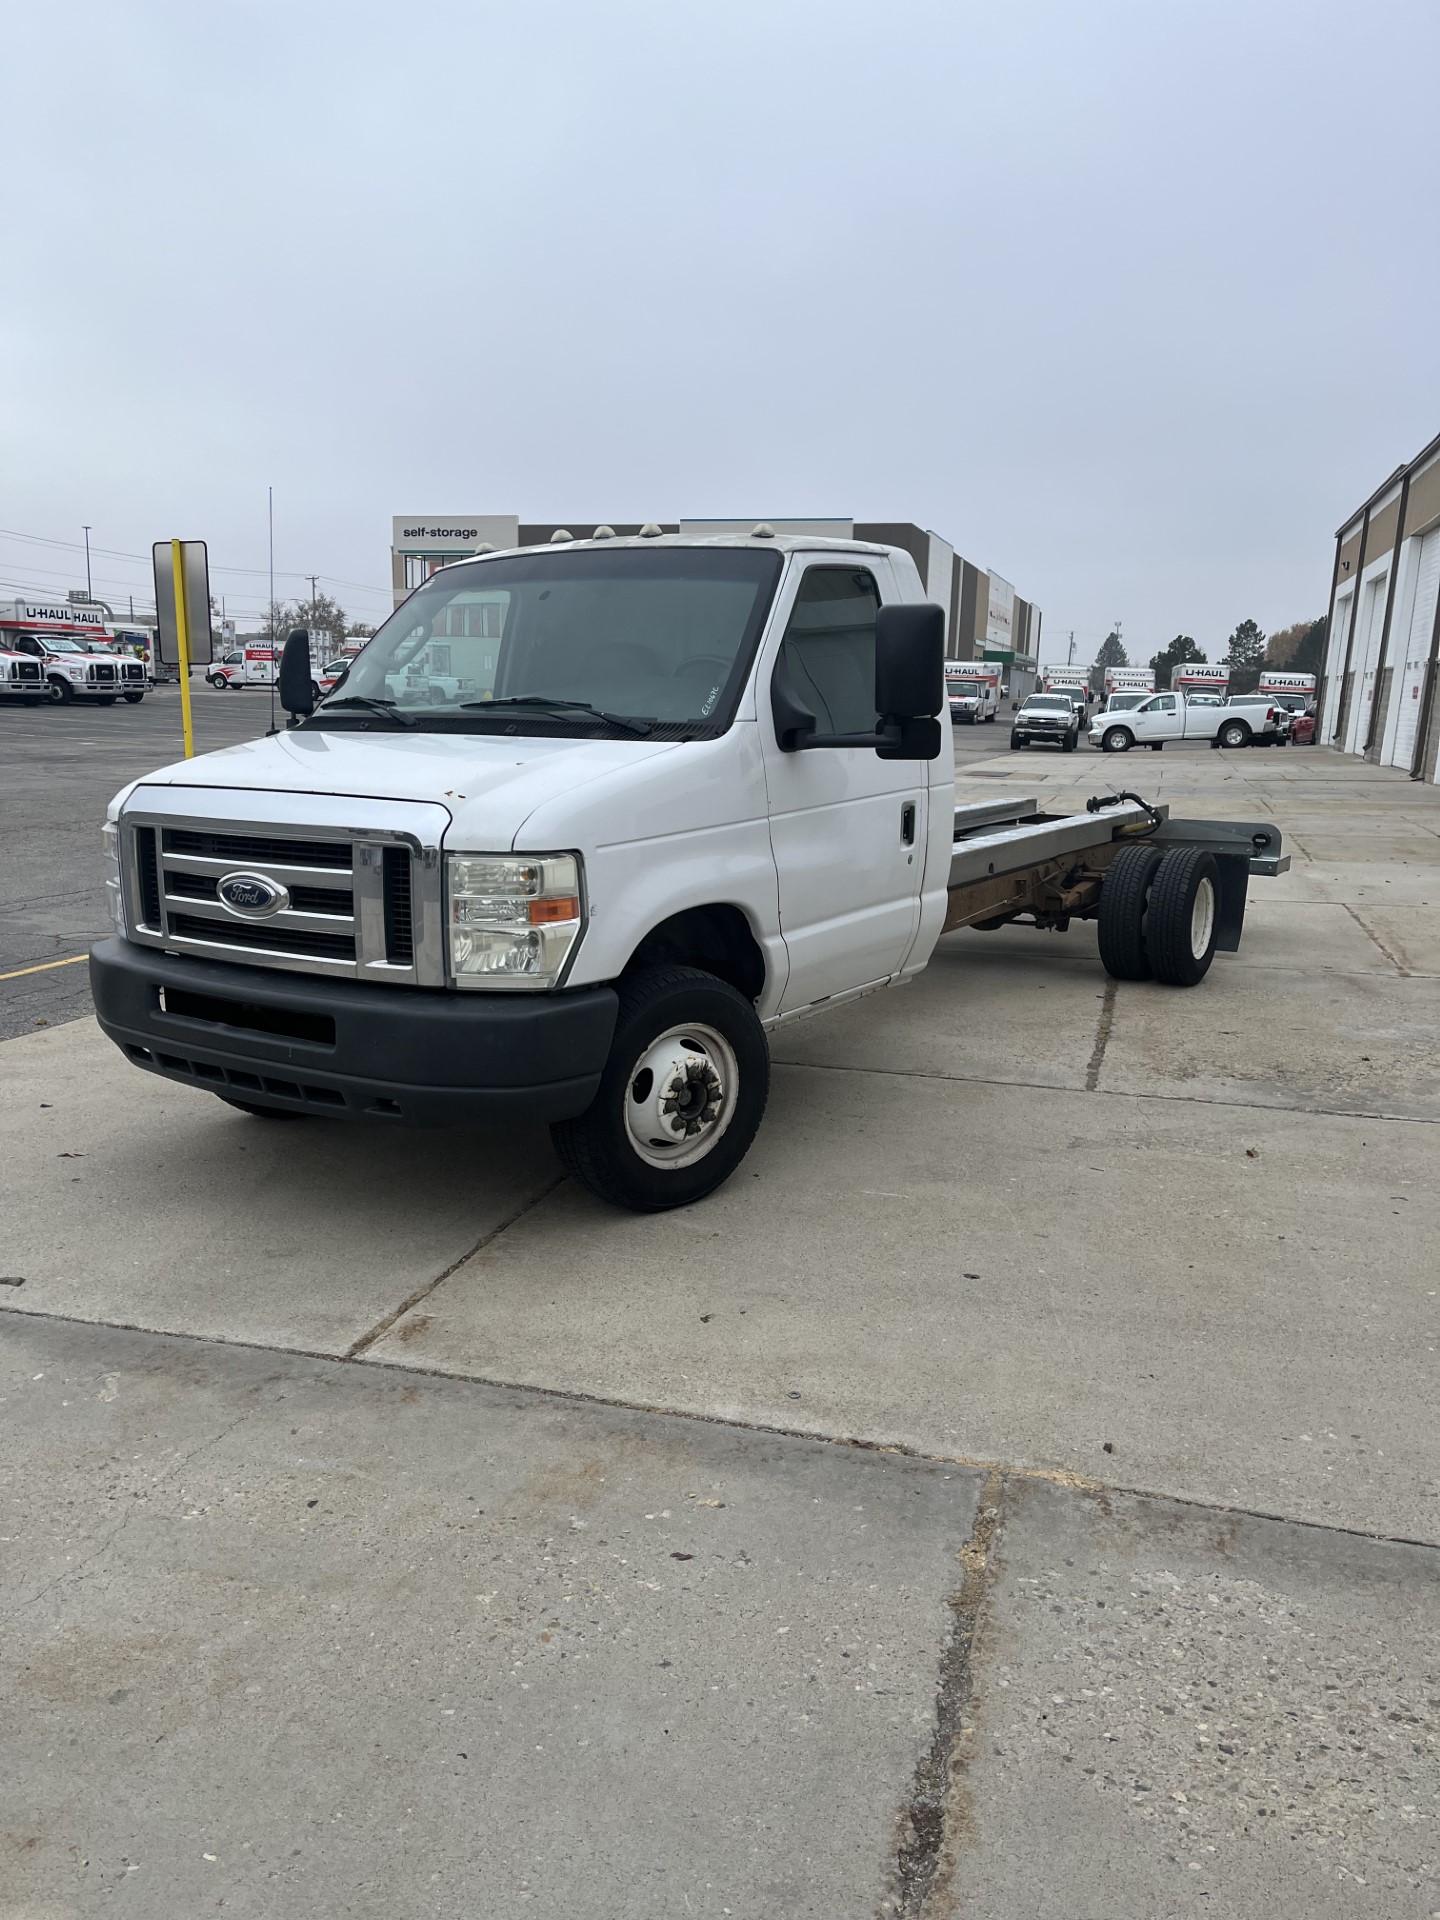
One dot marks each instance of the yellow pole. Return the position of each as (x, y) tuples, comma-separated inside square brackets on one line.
[(182, 631)]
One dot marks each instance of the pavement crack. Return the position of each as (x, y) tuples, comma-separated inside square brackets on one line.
[(1102, 1036), (1396, 960), (138, 1501), (938, 1812), (383, 1325)]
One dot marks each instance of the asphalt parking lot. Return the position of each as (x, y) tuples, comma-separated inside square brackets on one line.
[(1017, 1493)]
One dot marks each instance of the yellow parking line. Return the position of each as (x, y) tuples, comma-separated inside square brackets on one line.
[(45, 966)]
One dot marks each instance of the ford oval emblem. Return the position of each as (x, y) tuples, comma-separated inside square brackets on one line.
[(252, 895)]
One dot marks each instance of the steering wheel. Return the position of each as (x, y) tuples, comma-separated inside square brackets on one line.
[(702, 663)]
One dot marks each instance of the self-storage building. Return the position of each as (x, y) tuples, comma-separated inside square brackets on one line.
[(1378, 688)]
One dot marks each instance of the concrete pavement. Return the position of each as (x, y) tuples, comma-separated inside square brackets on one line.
[(1078, 1253)]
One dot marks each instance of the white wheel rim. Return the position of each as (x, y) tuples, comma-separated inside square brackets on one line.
[(680, 1096), (1202, 918)]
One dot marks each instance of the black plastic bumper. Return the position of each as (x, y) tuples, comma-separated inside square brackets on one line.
[(349, 1049)]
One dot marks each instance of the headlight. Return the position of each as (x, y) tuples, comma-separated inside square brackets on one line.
[(110, 862), (513, 922)]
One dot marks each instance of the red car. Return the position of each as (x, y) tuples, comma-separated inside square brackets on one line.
[(1302, 730)]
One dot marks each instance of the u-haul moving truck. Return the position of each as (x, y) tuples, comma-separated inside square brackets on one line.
[(1198, 677), (1129, 680), (243, 667), (1293, 690), (61, 639), (1072, 680), (973, 690)]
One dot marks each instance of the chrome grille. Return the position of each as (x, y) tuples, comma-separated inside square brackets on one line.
[(363, 903)]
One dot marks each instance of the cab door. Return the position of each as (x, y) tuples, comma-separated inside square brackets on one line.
[(1159, 718), (848, 829)]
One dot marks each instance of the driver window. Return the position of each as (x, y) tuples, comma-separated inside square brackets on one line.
[(1162, 703), (829, 648)]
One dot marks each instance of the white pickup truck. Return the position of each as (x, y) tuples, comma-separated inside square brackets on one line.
[(695, 790), (1170, 716)]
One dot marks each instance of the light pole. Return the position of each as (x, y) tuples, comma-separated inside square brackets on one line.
[(89, 589)]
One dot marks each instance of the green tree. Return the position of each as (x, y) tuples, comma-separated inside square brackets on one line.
[(1245, 657), (1181, 650), (1110, 653), (1299, 649)]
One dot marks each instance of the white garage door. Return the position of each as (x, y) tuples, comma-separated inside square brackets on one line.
[(1367, 654), (1411, 674)]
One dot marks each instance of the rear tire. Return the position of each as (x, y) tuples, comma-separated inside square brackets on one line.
[(1184, 917), (1234, 733), (1124, 903), (683, 1034)]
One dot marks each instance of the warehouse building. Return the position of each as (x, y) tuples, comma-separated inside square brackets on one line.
[(985, 619), (1378, 691)]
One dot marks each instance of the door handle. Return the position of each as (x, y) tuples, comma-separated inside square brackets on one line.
[(907, 824)]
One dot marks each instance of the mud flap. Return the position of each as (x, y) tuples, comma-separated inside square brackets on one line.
[(1230, 908)]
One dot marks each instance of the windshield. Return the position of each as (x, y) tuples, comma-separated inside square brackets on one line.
[(1051, 702), (1118, 702), (60, 643), (653, 634), (964, 689)]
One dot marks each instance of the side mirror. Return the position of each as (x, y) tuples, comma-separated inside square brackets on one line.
[(295, 677), (909, 681)]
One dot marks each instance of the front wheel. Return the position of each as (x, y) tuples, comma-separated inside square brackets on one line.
[(681, 1096), (61, 693), (1234, 733), (1016, 743), (218, 681), (1068, 744), (133, 699), (106, 700), (1116, 740)]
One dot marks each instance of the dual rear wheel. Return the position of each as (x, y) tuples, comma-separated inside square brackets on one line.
[(1159, 914)]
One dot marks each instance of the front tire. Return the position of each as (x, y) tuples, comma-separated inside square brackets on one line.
[(1016, 743), (61, 693), (1184, 917), (681, 1096), (133, 699), (1117, 740), (1067, 745)]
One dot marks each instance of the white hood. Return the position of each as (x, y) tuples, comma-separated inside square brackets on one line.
[(490, 784)]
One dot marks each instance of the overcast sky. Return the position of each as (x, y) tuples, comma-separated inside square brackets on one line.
[(1133, 303)]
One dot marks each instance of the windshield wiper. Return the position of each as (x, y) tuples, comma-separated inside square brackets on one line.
[(387, 707), (623, 721)]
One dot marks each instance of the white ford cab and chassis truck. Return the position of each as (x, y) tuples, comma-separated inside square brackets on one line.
[(696, 789)]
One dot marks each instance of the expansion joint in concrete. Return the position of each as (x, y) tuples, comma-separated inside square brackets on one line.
[(936, 1818), (412, 1300)]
